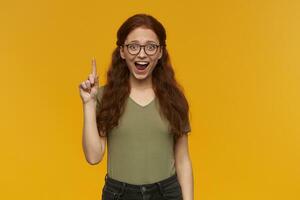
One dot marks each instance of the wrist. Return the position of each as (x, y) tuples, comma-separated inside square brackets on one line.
[(90, 104)]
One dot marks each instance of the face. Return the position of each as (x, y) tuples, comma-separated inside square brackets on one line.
[(141, 64)]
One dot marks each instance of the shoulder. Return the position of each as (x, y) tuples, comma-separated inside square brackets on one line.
[(101, 88)]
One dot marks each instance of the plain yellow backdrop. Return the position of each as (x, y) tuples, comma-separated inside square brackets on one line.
[(238, 62)]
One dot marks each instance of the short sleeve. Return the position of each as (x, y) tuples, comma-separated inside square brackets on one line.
[(98, 100), (99, 97)]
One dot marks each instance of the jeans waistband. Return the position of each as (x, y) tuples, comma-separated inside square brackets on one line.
[(143, 187)]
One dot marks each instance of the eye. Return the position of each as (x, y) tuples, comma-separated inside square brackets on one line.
[(151, 47), (133, 47)]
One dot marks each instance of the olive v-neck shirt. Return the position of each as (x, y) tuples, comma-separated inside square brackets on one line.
[(140, 148)]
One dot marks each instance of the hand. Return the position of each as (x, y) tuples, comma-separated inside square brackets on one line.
[(88, 89)]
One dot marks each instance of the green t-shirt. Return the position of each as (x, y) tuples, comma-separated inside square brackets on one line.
[(140, 149)]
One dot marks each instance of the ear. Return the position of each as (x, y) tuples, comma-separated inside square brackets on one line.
[(160, 53), (122, 52)]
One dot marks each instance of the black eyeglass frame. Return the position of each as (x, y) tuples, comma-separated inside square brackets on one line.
[(143, 46)]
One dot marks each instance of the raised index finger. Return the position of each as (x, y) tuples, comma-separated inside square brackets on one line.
[(94, 68)]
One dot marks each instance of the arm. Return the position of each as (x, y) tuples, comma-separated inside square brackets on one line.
[(93, 144), (184, 168)]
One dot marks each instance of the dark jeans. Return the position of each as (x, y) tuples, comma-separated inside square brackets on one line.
[(167, 189)]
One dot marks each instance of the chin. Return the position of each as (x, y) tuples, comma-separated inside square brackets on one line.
[(140, 76)]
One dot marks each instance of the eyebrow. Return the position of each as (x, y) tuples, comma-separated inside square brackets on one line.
[(146, 41)]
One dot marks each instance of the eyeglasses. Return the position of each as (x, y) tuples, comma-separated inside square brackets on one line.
[(149, 49)]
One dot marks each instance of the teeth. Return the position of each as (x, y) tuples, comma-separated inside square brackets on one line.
[(142, 63)]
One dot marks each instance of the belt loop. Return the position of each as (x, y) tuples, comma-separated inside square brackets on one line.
[(160, 189), (123, 189)]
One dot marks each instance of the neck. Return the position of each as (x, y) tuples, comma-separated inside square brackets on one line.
[(137, 84)]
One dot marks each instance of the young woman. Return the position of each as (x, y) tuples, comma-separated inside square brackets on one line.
[(143, 116)]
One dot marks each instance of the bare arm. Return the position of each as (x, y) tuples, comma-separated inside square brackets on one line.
[(93, 145), (184, 168)]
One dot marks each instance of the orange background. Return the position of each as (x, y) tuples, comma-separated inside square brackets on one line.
[(238, 62)]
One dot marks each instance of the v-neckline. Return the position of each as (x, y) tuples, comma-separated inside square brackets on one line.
[(140, 104)]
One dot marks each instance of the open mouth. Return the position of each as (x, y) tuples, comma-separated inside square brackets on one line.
[(141, 65)]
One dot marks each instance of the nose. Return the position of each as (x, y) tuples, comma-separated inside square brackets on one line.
[(142, 53)]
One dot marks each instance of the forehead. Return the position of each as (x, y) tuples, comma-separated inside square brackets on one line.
[(142, 35)]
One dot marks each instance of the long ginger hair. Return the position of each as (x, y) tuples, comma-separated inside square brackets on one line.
[(172, 102)]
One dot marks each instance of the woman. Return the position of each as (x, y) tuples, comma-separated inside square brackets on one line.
[(142, 114)]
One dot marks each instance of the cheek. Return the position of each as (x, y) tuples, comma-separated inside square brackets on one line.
[(130, 63), (129, 59), (154, 62)]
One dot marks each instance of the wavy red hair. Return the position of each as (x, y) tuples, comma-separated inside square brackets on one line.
[(173, 104)]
